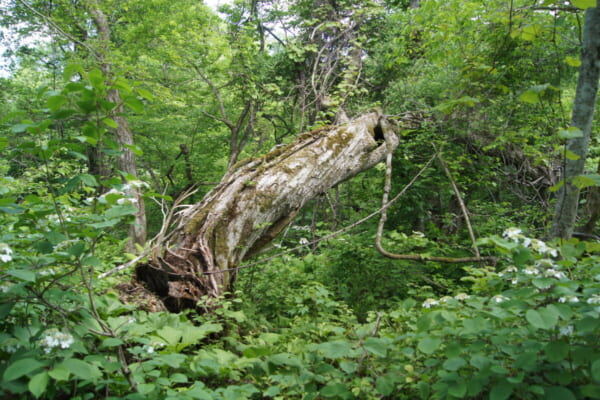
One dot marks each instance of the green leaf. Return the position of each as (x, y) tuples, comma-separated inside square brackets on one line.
[(334, 349), (96, 79), (348, 367), (584, 4), (145, 388), (543, 318), (572, 156), (272, 391), (572, 61), (135, 104), (377, 346), (20, 368), (454, 364), (558, 393), (480, 361), (556, 351), (37, 384), (458, 389), (81, 369), (171, 335), (145, 94), (59, 373), (590, 391), (111, 123), (54, 102), (501, 391), (105, 224), (87, 139), (134, 149), (521, 256), (429, 344), (556, 187), (596, 370), (571, 132), (385, 385), (583, 181), (543, 283), (55, 237), (88, 180), (22, 274), (334, 390), (72, 69), (120, 211), (193, 334), (530, 97), (19, 128)]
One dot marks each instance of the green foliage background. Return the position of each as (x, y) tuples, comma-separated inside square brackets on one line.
[(490, 83)]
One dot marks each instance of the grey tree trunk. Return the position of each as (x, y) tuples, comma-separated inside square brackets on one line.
[(123, 135), (255, 201), (583, 113)]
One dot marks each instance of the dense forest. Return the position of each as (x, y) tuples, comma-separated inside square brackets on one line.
[(299, 199)]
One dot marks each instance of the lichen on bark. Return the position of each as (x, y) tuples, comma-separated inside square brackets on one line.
[(254, 203)]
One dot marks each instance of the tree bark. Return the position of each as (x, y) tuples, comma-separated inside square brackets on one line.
[(123, 135), (255, 201), (583, 113)]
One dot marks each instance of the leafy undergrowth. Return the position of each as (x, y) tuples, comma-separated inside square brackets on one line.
[(528, 328)]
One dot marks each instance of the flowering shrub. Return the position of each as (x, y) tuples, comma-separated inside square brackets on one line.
[(529, 330)]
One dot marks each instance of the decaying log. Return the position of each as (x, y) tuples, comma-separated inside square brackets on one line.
[(253, 203)]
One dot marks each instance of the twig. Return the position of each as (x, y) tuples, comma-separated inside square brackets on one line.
[(462, 204), (383, 218)]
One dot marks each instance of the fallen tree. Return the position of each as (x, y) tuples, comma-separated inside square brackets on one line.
[(253, 203)]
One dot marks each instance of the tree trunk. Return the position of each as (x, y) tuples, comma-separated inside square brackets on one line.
[(255, 201), (123, 134), (583, 113)]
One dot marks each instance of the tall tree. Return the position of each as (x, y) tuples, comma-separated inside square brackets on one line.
[(582, 117), (126, 159)]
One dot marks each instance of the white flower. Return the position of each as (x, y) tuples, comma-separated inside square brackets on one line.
[(4, 288), (568, 299), (418, 234), (445, 299), (303, 241), (552, 273), (5, 253), (514, 281), (499, 298), (55, 338), (462, 296), (566, 330), (595, 299), (526, 242), (542, 248), (138, 184), (430, 302), (529, 270), (513, 234)]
